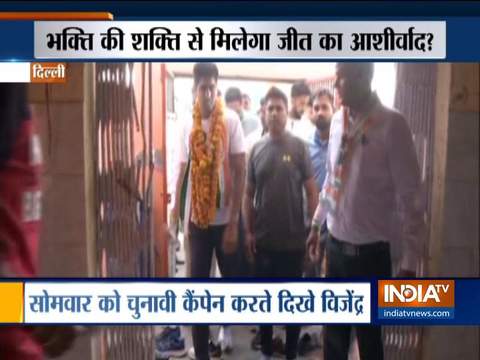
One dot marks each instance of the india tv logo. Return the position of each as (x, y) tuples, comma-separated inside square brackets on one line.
[(416, 299)]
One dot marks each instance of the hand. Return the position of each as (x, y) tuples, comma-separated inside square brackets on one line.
[(251, 245), (230, 238), (404, 273), (313, 245), (55, 340)]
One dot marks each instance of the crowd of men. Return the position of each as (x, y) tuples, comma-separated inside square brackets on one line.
[(269, 196), (311, 182)]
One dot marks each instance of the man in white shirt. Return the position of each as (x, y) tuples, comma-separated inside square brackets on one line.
[(372, 170), (233, 99), (227, 171), (298, 122)]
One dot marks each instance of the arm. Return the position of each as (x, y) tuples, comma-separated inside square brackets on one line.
[(238, 167), (230, 237), (170, 229), (312, 196), (237, 164), (249, 221), (249, 209), (320, 214), (178, 193), (183, 159), (314, 247), (312, 244)]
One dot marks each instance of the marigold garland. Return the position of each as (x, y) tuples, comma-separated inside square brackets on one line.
[(207, 157)]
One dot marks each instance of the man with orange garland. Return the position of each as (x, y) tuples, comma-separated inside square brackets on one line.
[(213, 160)]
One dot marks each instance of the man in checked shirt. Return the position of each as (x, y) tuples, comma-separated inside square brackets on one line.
[(372, 170)]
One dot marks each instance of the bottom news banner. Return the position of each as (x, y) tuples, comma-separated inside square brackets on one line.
[(309, 301)]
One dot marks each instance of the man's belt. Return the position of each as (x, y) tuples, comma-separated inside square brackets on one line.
[(349, 249)]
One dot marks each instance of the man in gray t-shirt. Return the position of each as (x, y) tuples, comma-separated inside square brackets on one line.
[(279, 168), (277, 171)]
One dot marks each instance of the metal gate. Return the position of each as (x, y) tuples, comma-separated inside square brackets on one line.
[(123, 204), (415, 99)]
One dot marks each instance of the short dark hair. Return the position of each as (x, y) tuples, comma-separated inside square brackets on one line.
[(366, 68), (322, 92), (300, 88), (204, 70), (276, 93), (233, 94)]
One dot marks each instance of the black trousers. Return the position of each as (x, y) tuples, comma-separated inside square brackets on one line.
[(279, 264), (203, 242), (371, 262)]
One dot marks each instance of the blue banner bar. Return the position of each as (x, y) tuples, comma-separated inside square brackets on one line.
[(460, 43), (465, 309), (253, 9)]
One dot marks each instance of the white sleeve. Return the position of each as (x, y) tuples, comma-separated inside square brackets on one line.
[(235, 133), (183, 151), (320, 214)]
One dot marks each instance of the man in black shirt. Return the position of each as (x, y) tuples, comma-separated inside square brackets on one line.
[(279, 168)]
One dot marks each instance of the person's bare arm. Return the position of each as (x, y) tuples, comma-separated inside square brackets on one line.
[(312, 196), (238, 167), (178, 192), (237, 162), (249, 220)]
